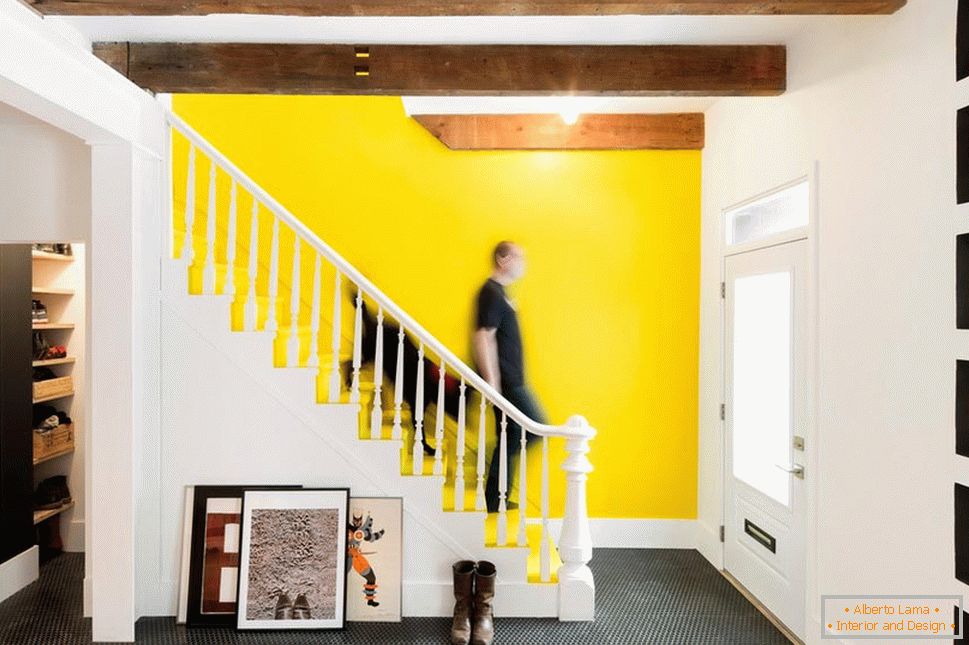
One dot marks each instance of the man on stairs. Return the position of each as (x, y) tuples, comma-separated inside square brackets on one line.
[(498, 354)]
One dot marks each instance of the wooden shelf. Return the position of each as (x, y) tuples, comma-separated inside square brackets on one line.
[(51, 257), (54, 361), (40, 516), (54, 455), (51, 291), (38, 326), (54, 397)]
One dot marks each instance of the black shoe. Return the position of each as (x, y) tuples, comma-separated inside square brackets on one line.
[(46, 496), (301, 608), (428, 450), (284, 608), (373, 603)]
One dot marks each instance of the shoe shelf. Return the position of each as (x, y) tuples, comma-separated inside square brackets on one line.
[(54, 455), (42, 326), (51, 257), (54, 361), (51, 291), (54, 397), (40, 516)]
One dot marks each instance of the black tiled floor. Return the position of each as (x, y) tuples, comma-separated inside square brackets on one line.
[(656, 596)]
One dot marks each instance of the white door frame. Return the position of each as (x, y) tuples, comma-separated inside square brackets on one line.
[(812, 456)]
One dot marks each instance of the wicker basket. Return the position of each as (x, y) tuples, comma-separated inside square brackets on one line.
[(57, 441), (53, 387)]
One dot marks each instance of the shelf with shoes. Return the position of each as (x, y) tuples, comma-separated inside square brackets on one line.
[(57, 291)]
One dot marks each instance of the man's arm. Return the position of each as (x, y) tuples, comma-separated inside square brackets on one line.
[(486, 355)]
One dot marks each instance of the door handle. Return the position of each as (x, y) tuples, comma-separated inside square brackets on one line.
[(795, 469)]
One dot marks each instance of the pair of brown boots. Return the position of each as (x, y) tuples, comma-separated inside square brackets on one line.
[(474, 596)]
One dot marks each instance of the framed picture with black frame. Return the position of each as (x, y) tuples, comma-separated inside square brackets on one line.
[(213, 571), (292, 567)]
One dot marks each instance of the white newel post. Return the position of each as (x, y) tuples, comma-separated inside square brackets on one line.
[(577, 589), (208, 274), (397, 431), (230, 276), (295, 295), (439, 423)]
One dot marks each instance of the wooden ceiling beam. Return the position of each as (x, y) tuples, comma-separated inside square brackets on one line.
[(551, 132), (463, 7), (456, 70)]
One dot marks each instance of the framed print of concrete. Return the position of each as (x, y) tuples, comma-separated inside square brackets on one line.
[(292, 573)]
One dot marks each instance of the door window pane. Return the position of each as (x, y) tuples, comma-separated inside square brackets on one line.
[(761, 406), (784, 210)]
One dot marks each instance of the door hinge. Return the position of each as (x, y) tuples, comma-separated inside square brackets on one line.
[(723, 534), (723, 411), (723, 289)]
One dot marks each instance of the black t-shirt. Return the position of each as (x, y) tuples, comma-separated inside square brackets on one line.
[(495, 312)]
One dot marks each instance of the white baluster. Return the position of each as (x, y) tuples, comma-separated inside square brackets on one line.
[(418, 413), (188, 248), (545, 553), (357, 349), (314, 358), (271, 324), (292, 348), (577, 589), (377, 413), (503, 482), (439, 423), (208, 276), (252, 306), (522, 537), (230, 276), (479, 497), (337, 321), (398, 384), (459, 467)]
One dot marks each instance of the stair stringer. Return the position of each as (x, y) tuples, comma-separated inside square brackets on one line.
[(453, 535)]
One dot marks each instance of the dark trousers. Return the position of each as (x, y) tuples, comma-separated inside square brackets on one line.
[(522, 398)]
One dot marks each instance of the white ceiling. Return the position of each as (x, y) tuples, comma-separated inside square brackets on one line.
[(572, 30)]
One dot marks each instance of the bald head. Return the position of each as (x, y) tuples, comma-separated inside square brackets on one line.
[(509, 261)]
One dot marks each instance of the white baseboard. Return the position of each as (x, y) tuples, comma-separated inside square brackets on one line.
[(709, 545), (637, 534), (19, 571), (513, 600), (88, 587), (73, 537)]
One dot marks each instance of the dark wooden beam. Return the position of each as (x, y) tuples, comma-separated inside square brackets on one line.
[(114, 54), (550, 132), (459, 69), (463, 7)]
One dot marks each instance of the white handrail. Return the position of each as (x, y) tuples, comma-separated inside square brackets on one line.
[(581, 430)]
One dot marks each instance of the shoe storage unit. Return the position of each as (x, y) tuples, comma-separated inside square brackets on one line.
[(41, 315), (57, 280)]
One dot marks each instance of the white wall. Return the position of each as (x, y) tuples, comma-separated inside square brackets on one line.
[(871, 101), (45, 184)]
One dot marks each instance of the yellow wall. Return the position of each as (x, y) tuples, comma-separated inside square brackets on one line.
[(609, 306)]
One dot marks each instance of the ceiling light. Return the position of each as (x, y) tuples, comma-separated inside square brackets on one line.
[(569, 115)]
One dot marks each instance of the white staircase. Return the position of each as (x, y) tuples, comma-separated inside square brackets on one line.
[(367, 426)]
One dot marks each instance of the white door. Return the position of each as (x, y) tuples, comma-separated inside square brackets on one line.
[(765, 422)]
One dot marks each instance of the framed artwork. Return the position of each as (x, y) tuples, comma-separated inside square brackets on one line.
[(213, 569), (187, 510), (374, 559), (292, 572)]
